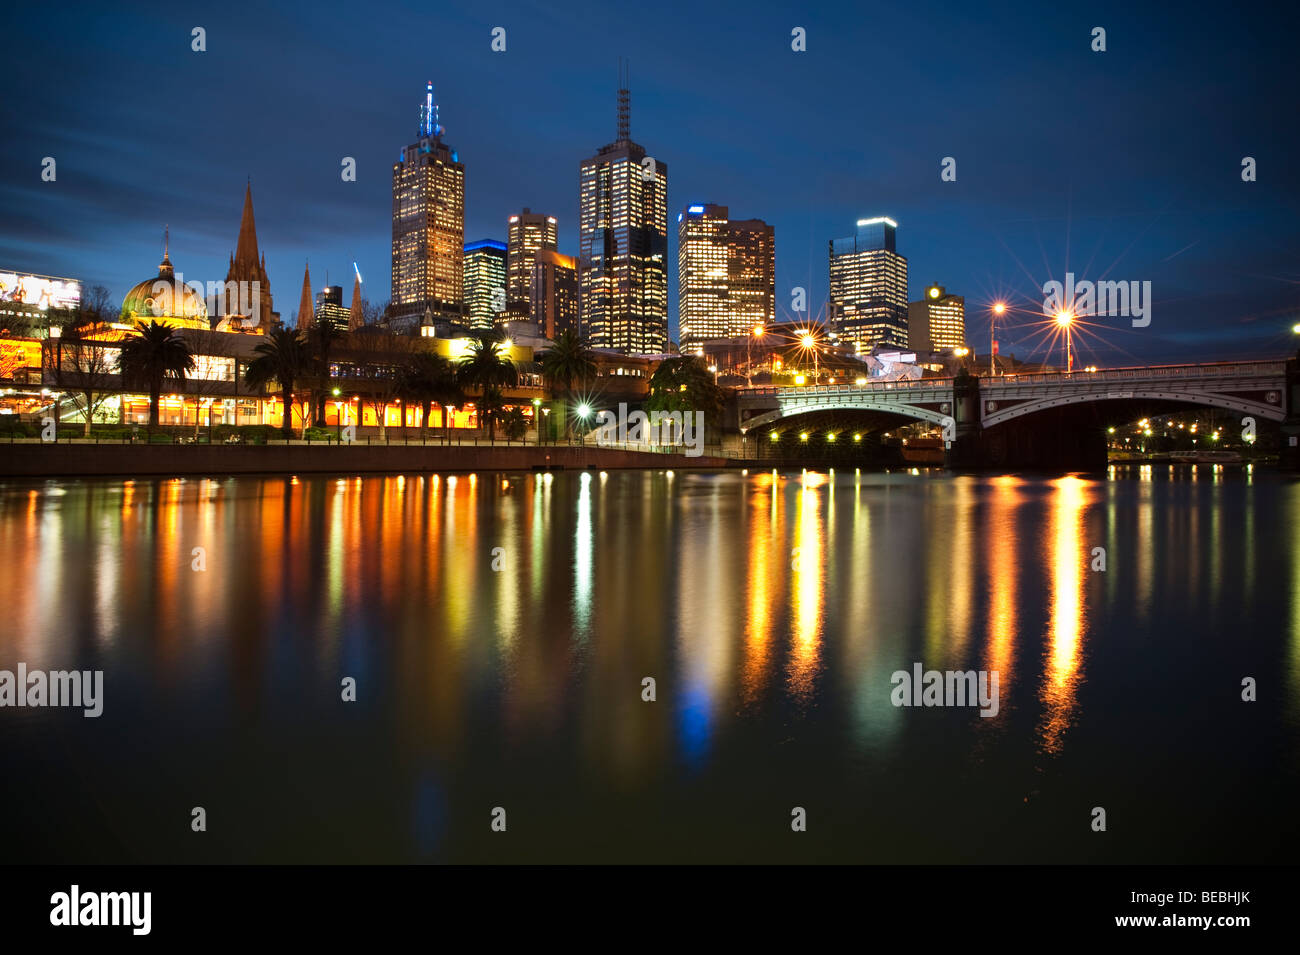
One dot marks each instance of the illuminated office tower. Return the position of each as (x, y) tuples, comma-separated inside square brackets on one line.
[(428, 223), (726, 275), (936, 322), (526, 235), (485, 282), (623, 245), (554, 293), (329, 308), (868, 286)]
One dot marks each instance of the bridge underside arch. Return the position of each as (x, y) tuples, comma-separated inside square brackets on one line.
[(863, 416), (1107, 410)]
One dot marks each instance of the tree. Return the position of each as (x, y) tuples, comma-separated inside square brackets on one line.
[(491, 406), (486, 368), (215, 369), (378, 358), (281, 358), (685, 384), (429, 379), (514, 423), (157, 354), (567, 362), (321, 340), (81, 367)]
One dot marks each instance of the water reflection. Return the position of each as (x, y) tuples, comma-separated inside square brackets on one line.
[(501, 627), (1065, 553)]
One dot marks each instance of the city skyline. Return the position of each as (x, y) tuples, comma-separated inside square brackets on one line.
[(1153, 195)]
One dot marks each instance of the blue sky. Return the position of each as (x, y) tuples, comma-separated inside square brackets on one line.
[(1123, 164)]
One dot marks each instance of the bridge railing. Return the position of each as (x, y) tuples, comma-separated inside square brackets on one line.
[(1223, 369), (1230, 369)]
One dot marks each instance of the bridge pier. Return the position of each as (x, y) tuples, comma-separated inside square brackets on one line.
[(1290, 450)]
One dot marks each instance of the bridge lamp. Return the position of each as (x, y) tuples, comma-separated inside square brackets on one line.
[(961, 352), (857, 437), (830, 437), (1295, 329), (773, 436), (800, 379), (807, 341), (860, 381), (999, 308), (804, 436)]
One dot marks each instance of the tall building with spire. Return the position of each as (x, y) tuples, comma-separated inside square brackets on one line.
[(623, 244), (248, 271), (428, 225)]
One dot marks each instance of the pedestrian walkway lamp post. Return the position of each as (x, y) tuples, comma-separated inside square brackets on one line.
[(584, 411), (1065, 320), (537, 419), (998, 309), (338, 417)]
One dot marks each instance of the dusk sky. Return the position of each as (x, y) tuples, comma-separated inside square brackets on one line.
[(1124, 164)]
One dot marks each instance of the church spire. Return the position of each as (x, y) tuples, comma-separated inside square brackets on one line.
[(355, 318), (305, 316), (165, 269), (246, 247)]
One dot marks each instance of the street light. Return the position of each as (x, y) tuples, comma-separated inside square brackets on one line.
[(1065, 320), (757, 332), (584, 410), (998, 309), (537, 422), (338, 417)]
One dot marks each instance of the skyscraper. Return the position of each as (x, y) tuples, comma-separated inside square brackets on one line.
[(554, 293), (329, 308), (726, 275), (428, 224), (526, 234), (623, 245), (936, 322), (485, 282), (868, 286)]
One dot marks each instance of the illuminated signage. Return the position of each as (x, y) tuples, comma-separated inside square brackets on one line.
[(41, 291)]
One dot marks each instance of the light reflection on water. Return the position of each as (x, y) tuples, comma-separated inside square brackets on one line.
[(500, 628)]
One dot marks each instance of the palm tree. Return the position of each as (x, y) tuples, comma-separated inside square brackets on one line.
[(429, 379), (486, 368), (491, 406), (567, 362), (282, 358), (155, 355)]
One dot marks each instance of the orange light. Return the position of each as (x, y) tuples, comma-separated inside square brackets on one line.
[(999, 307)]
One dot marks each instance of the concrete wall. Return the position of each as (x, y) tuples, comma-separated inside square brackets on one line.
[(58, 459)]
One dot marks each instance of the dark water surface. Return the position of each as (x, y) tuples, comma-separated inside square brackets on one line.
[(770, 609)]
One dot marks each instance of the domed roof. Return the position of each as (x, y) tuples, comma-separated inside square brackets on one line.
[(162, 298)]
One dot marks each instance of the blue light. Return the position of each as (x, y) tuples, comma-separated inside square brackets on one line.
[(695, 209), (679, 217)]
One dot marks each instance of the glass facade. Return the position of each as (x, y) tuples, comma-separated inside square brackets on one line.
[(726, 275), (868, 286), (485, 280)]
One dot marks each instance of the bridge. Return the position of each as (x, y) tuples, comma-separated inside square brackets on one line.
[(1053, 419)]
